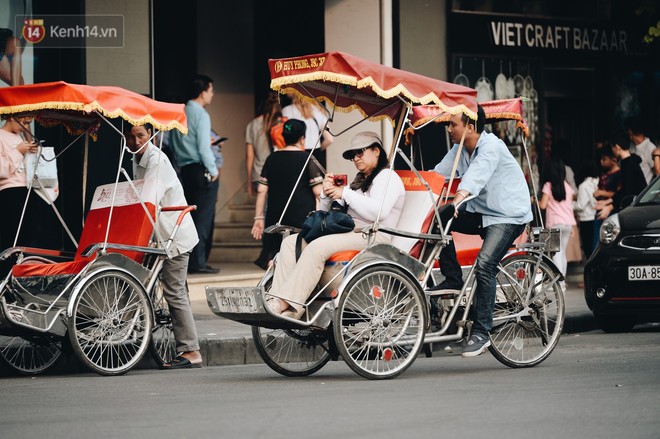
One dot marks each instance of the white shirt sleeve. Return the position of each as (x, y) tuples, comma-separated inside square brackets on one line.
[(367, 205)]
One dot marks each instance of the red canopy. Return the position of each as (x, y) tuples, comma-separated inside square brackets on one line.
[(73, 104), (496, 111), (348, 83)]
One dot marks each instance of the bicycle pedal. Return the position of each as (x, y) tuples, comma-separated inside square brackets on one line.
[(467, 324)]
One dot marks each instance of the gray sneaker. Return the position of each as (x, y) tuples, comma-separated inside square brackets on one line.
[(476, 345)]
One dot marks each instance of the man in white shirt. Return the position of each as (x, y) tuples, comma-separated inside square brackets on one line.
[(642, 145), (150, 163)]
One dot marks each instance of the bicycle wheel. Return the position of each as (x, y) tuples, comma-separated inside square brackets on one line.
[(292, 352), (380, 322), (111, 323), (30, 355), (526, 330), (162, 346)]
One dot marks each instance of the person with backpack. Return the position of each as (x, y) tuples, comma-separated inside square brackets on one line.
[(278, 179)]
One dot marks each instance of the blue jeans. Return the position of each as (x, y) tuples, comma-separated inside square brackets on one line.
[(497, 240)]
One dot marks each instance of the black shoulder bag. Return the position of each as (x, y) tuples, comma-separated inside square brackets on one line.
[(321, 222)]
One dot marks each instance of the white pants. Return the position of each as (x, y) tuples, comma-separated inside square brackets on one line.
[(559, 258), (295, 281)]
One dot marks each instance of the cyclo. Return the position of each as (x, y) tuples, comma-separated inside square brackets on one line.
[(105, 300), (372, 307)]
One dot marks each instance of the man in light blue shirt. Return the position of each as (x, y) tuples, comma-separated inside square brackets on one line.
[(498, 214), (198, 170)]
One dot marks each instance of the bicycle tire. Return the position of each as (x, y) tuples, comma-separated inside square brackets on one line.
[(380, 322), (111, 322), (291, 352), (527, 339), (162, 345), (30, 355)]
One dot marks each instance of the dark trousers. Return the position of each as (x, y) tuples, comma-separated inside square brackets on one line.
[(202, 193), (587, 237), (497, 240), (33, 231)]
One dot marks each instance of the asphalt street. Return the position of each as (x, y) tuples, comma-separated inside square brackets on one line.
[(594, 385)]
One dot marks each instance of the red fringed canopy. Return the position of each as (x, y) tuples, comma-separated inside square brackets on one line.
[(75, 105), (377, 91), (496, 111)]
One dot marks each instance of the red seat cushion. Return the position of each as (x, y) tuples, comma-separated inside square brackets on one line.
[(70, 267), (343, 256)]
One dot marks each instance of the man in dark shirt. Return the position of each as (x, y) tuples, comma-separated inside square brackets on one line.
[(632, 179)]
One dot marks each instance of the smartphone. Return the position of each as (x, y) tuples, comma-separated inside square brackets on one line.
[(340, 180), (219, 140)]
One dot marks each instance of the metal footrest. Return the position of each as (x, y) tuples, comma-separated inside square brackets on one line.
[(33, 317), (246, 305)]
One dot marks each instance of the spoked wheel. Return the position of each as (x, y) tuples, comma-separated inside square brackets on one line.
[(380, 322), (111, 323), (162, 346), (292, 352), (30, 355), (529, 312)]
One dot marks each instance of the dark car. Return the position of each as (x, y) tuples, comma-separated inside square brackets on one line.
[(622, 276)]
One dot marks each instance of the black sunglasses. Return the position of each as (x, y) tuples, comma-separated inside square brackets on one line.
[(357, 153)]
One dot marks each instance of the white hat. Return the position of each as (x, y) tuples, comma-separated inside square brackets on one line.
[(362, 140)]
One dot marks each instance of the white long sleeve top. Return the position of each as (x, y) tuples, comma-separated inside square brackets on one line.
[(363, 207)]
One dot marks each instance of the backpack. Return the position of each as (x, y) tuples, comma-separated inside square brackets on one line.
[(276, 137)]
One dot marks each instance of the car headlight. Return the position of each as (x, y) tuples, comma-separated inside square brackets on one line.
[(610, 229)]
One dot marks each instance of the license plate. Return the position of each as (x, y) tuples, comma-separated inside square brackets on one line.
[(644, 272), (237, 300)]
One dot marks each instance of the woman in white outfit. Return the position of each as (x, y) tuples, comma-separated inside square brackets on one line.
[(293, 281)]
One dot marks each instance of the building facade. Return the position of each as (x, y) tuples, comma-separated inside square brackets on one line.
[(583, 66)]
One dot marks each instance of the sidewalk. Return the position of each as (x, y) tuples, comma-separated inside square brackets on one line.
[(224, 342)]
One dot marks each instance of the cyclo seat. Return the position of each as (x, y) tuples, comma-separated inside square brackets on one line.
[(130, 225), (418, 200)]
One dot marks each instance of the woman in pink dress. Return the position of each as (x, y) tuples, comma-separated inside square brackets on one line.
[(557, 200)]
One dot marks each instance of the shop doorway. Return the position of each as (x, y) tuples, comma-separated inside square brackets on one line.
[(570, 115)]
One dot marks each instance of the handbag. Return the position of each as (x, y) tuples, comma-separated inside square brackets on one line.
[(321, 222)]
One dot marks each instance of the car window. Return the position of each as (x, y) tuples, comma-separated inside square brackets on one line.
[(651, 195)]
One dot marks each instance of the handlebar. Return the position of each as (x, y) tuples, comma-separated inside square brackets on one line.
[(185, 210)]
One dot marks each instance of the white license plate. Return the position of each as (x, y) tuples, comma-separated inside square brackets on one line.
[(237, 300), (644, 272)]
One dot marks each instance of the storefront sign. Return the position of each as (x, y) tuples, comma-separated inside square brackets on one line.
[(547, 36), (523, 36)]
